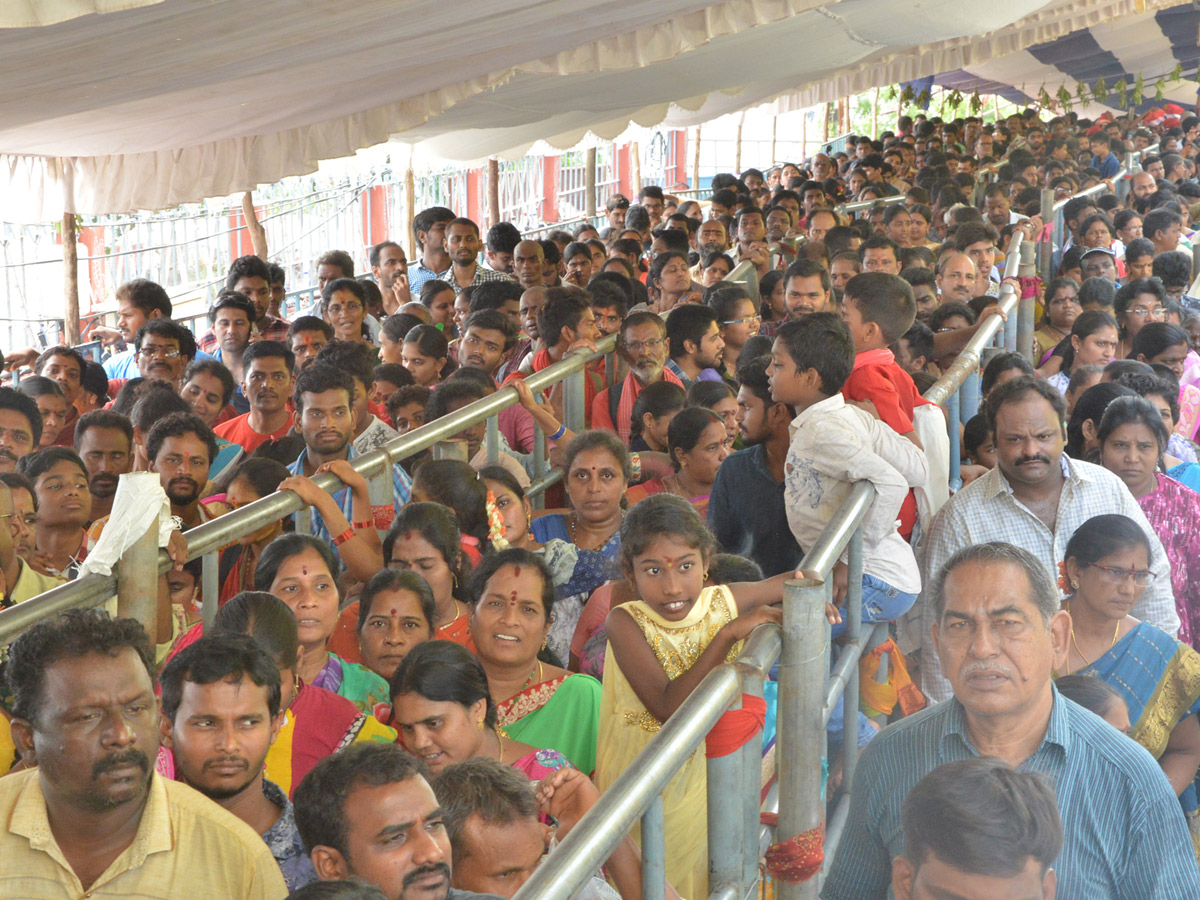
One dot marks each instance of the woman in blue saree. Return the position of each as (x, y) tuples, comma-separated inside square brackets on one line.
[(1107, 567)]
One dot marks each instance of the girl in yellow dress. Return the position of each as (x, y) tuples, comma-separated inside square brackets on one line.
[(660, 646)]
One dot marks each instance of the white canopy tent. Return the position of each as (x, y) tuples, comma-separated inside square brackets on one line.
[(116, 105)]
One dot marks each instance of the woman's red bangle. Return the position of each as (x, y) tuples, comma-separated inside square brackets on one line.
[(343, 537)]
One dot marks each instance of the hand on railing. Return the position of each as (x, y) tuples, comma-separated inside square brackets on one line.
[(16, 358), (743, 626), (565, 796), (177, 550), (105, 335)]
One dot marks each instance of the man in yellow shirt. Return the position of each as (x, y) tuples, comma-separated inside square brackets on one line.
[(93, 819)]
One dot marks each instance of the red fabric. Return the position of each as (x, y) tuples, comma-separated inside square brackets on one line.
[(238, 431), (344, 640), (322, 720), (736, 727), (798, 859), (66, 437)]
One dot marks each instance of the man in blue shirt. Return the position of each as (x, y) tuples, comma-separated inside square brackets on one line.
[(429, 227), (999, 633), (746, 512), (1103, 158)]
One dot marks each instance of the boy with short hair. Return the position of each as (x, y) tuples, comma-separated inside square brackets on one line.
[(834, 445)]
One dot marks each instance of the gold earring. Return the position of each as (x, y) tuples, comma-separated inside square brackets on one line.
[(706, 576), (544, 643), (1074, 585), (479, 724)]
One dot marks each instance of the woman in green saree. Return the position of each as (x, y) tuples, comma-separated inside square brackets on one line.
[(1107, 567), (537, 702)]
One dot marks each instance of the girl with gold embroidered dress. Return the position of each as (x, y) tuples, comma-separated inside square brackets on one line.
[(1107, 567), (659, 648), (537, 702)]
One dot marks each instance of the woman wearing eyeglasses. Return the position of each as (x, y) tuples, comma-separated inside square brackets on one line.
[(1138, 302), (1104, 574), (1132, 438)]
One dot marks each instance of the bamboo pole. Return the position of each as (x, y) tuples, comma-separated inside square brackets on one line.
[(825, 117), (410, 213), (589, 181), (803, 138), (258, 234), (737, 152), (635, 167), (875, 116), (493, 192), (696, 159), (71, 279)]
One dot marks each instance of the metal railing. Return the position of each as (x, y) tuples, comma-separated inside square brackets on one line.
[(205, 540)]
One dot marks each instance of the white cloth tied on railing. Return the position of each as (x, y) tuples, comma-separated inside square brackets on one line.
[(139, 502)]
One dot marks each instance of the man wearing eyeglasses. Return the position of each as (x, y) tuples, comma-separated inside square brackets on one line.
[(163, 348), (643, 347), (20, 580)]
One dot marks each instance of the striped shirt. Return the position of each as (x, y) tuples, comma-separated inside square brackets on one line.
[(986, 510), (384, 507), (1124, 834)]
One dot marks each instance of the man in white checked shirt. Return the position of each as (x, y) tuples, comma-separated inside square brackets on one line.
[(1035, 498)]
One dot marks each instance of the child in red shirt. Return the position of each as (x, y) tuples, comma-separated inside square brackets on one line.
[(878, 308)]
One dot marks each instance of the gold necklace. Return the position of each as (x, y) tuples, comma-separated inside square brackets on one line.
[(1075, 644)]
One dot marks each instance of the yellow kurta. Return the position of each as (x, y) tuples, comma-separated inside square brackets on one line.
[(626, 727)]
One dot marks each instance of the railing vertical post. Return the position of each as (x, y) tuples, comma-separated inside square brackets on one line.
[(1046, 265), (968, 403), (492, 440), (751, 790), (1026, 310), (654, 852), (539, 465), (953, 408), (800, 746), (1010, 332), (854, 632), (210, 587), (725, 822), (304, 521), (573, 401), (137, 581)]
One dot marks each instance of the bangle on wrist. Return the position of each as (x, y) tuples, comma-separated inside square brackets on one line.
[(360, 526), (343, 537), (562, 429)]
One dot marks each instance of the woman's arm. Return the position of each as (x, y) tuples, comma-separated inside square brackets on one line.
[(751, 595), (662, 695), (1182, 756), (361, 553)]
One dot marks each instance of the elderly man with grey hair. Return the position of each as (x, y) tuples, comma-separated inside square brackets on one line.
[(999, 632)]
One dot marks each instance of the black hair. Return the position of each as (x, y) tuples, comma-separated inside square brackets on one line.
[(451, 392), (513, 556), (226, 299), (430, 341), (1086, 324), (94, 379), (723, 299), (354, 358), (427, 218), (820, 341), (320, 800), (216, 369), (1137, 248), (444, 672), (285, 547), (660, 262), (392, 373), (947, 311), (103, 418), (1096, 291), (561, 310), (1133, 411), (600, 440), (611, 289), (975, 433), (220, 657), (155, 401), (1091, 692), (60, 350), (351, 889), (397, 580), (493, 320), (496, 793), (16, 401), (808, 268), (982, 817), (503, 237), (268, 350), (378, 249), (309, 323), (409, 393), (685, 430), (729, 568), (165, 328), (247, 267), (1173, 268), (40, 386), (1101, 536), (766, 287), (319, 378), (887, 300), (658, 515), (1149, 383), (689, 322), (439, 526), (1155, 338), (70, 635), (177, 425), (494, 294), (999, 365), (1090, 408), (455, 484), (1020, 389), (657, 399), (350, 285), (264, 475), (34, 465), (709, 393), (18, 482), (397, 325), (148, 296)]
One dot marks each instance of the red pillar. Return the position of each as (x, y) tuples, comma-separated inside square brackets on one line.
[(550, 189), (374, 216), (623, 173), (474, 210)]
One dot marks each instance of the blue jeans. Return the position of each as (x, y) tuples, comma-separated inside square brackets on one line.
[(880, 603)]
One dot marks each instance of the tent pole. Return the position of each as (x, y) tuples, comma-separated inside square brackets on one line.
[(875, 116), (410, 212), (635, 166), (71, 279), (258, 234), (803, 135), (589, 181), (493, 191), (696, 159), (825, 117)]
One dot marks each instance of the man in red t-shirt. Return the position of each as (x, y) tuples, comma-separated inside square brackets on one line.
[(268, 367)]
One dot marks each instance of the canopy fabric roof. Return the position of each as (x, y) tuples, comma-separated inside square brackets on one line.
[(115, 105)]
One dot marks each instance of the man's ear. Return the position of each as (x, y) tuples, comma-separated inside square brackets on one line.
[(329, 863), (22, 733), (166, 731), (902, 878)]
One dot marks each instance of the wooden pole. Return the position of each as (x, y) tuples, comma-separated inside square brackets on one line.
[(875, 116), (825, 118), (589, 182), (71, 280), (696, 159), (635, 167), (493, 192), (737, 152), (410, 212), (803, 136), (258, 234)]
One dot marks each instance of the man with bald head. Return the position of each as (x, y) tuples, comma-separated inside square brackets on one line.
[(956, 278), (822, 167), (529, 263)]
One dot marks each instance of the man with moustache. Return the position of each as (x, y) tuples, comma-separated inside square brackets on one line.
[(18, 537), (529, 264), (324, 417), (220, 715), (267, 385), (746, 512), (463, 244), (369, 813), (181, 448), (643, 347), (389, 265), (90, 817), (104, 441), (20, 427)]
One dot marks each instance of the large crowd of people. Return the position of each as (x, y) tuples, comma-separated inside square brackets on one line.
[(420, 688)]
